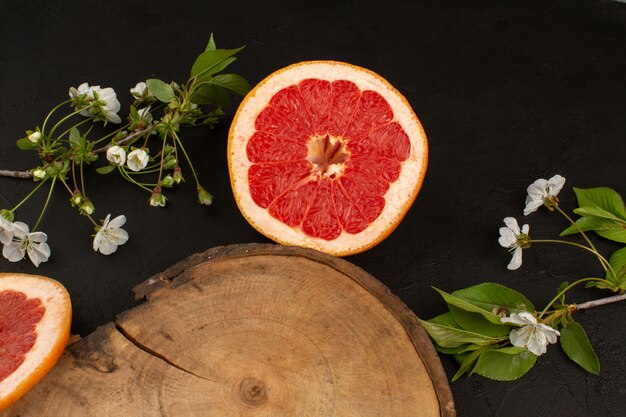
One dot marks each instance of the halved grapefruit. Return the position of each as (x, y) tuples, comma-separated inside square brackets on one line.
[(35, 316), (326, 155)]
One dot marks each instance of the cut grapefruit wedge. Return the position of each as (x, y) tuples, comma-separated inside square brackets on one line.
[(326, 155), (35, 316)]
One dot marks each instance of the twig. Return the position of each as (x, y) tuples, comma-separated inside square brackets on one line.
[(599, 302), (129, 138), (15, 174)]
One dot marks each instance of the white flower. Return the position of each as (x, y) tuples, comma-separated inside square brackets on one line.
[(533, 336), (514, 240), (111, 105), (24, 242), (140, 90), (6, 231), (34, 137), (137, 160), (110, 235), (94, 101), (116, 155), (543, 192)]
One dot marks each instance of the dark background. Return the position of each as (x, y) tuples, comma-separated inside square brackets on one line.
[(507, 92)]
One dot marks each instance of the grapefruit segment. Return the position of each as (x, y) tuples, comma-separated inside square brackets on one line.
[(326, 155), (35, 316)]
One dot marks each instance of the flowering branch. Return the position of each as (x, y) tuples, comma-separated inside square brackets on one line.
[(495, 331), (158, 114)]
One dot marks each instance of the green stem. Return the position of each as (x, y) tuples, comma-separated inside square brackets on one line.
[(583, 234), (28, 196), (45, 206), (68, 130), (56, 126), (162, 159), (195, 176), (111, 134), (129, 178), (605, 264), (564, 290), (82, 180), (43, 127), (69, 190)]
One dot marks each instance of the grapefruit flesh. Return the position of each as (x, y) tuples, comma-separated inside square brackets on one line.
[(35, 316), (326, 155)]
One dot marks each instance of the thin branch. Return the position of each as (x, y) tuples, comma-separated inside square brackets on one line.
[(15, 174), (600, 302), (136, 134)]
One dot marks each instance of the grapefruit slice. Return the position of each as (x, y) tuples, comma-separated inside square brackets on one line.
[(35, 316), (326, 155)]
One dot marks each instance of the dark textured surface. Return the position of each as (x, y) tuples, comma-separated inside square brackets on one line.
[(507, 92)]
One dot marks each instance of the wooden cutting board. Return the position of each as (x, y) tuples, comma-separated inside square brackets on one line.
[(251, 330)]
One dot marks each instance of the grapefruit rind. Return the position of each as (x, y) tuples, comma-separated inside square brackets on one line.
[(52, 333), (400, 195)]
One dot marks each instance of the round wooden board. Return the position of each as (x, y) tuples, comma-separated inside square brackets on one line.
[(251, 330)]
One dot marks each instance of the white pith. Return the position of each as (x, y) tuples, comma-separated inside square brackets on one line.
[(404, 189), (49, 335)]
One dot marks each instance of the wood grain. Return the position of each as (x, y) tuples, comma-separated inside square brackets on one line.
[(252, 330)]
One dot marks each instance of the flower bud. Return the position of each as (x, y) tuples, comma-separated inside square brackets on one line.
[(39, 174), (178, 175), (157, 199), (204, 197), (7, 215), (167, 182), (116, 155), (170, 163), (87, 208), (34, 137), (77, 199)]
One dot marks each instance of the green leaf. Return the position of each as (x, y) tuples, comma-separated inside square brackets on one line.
[(467, 306), (106, 169), (26, 145), (468, 347), (445, 319), (467, 363), (232, 82), (597, 212), (575, 343), (76, 140), (585, 224), (211, 94), (451, 337), (506, 364), (617, 235), (618, 263), (212, 61), (475, 322), (211, 45), (490, 296), (604, 198), (161, 90)]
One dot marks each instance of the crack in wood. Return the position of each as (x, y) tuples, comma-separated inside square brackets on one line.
[(156, 354)]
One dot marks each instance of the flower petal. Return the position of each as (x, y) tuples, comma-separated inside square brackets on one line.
[(555, 184), (107, 248), (537, 342), (521, 318), (538, 189), (6, 236), (38, 253), (550, 333), (20, 229), (97, 240), (507, 238), (14, 252), (525, 229), (38, 237), (516, 261), (519, 337), (511, 223), (117, 236), (118, 221), (532, 206)]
